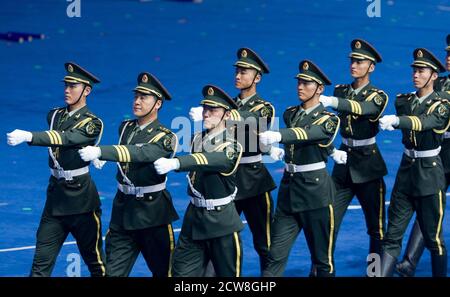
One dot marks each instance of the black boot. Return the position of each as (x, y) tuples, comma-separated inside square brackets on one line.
[(313, 271), (375, 246), (387, 265), (414, 250), (439, 265)]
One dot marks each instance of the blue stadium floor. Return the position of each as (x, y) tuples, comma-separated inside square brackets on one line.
[(188, 45)]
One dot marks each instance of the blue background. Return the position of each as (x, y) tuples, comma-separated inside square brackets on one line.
[(186, 46)]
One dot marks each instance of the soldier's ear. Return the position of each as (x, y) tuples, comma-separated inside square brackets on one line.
[(258, 77), (372, 67), (158, 103), (87, 91), (435, 75), (227, 114), (320, 90)]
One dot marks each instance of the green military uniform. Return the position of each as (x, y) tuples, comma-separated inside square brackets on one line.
[(142, 214), (416, 243), (420, 181), (211, 224), (73, 204), (253, 180), (363, 173), (306, 191)]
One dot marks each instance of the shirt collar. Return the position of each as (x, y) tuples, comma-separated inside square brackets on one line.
[(309, 110), (245, 100), (359, 89)]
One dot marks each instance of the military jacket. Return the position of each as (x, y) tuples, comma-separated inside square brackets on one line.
[(135, 154), (359, 116), (306, 142), (65, 137), (212, 166), (253, 178), (422, 130), (442, 86)]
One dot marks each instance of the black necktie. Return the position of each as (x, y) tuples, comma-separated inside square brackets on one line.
[(298, 116), (133, 133), (64, 118), (415, 103)]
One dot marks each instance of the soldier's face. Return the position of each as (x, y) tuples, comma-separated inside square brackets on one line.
[(212, 116), (143, 103), (72, 92), (243, 77), (421, 77), (306, 89), (359, 68), (447, 61)]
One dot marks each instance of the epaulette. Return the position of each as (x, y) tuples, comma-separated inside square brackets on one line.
[(164, 129), (291, 107), (91, 115), (404, 95), (340, 86), (328, 113)]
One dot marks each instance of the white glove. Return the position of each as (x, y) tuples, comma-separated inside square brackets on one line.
[(276, 153), (389, 122), (269, 137), (90, 153), (18, 136), (196, 113), (329, 101), (98, 163), (164, 165), (340, 157)]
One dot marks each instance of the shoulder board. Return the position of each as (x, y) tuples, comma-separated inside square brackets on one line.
[(291, 107), (403, 95), (340, 86), (91, 115), (164, 129), (324, 112)]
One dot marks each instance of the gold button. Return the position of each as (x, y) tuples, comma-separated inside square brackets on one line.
[(414, 160), (317, 179), (347, 129), (349, 149), (434, 163), (150, 198), (374, 151)]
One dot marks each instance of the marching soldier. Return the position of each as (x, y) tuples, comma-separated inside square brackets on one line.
[(211, 225), (305, 198), (143, 212), (359, 107), (423, 118), (73, 204), (416, 243), (254, 181)]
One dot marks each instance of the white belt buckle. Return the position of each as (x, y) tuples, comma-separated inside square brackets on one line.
[(414, 153), (350, 142), (290, 167), (67, 175), (209, 204), (138, 192)]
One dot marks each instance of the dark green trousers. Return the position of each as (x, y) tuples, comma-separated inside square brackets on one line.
[(371, 197), (318, 225), (155, 243), (258, 212), (86, 228), (429, 212), (192, 256)]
